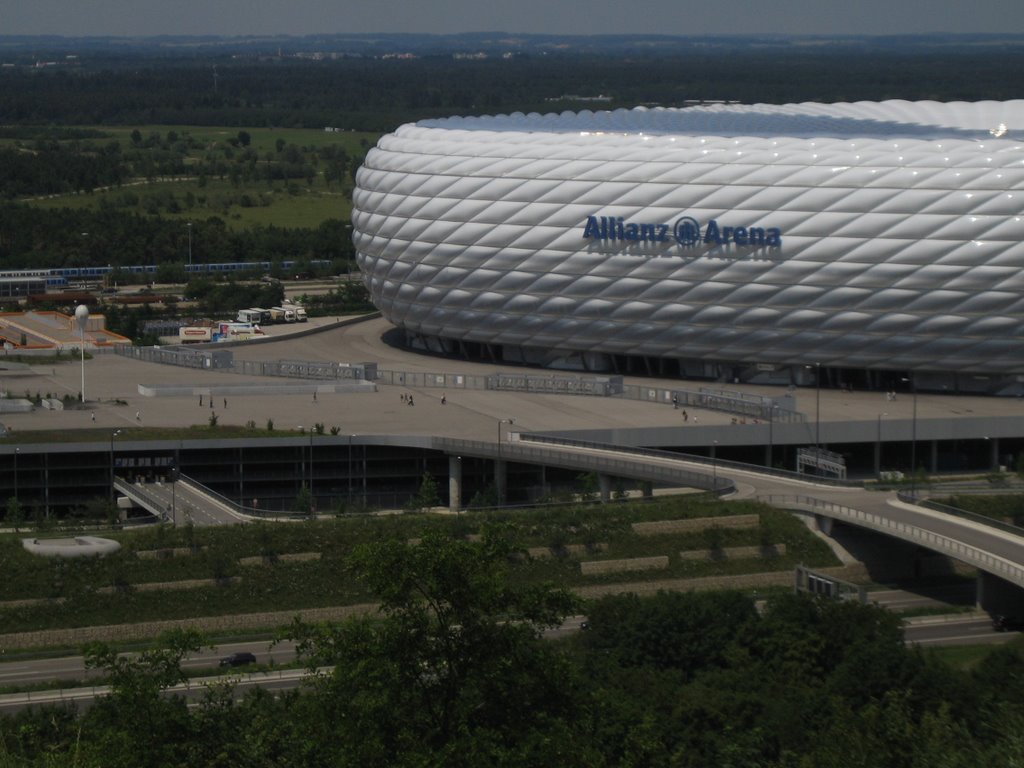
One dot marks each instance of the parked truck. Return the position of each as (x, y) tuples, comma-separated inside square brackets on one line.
[(236, 331), (254, 315), (300, 312), (194, 334), (283, 314)]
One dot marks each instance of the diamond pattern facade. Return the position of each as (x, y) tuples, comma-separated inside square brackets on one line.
[(900, 231)]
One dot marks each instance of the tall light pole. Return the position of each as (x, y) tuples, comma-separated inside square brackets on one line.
[(771, 434), (174, 494), (878, 445), (189, 227), (310, 474), (913, 438), (82, 317), (497, 477), (16, 451), (350, 468), (913, 446), (817, 413), (113, 434), (714, 466)]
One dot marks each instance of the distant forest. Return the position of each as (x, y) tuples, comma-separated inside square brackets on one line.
[(63, 101), (377, 94)]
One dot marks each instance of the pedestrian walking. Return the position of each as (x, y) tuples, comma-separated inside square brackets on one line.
[(410, 400), (314, 395), (93, 415), (443, 399), (686, 416), (200, 401), (138, 415), (225, 403), (675, 402)]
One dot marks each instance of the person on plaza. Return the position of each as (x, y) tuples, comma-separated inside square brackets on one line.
[(443, 399)]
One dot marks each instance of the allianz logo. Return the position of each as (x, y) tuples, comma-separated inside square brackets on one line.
[(686, 231)]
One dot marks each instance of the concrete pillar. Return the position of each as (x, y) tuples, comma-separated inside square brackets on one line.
[(993, 454), (997, 595), (454, 483), (500, 479), (604, 483)]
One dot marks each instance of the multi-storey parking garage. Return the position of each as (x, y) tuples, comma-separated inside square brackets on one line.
[(872, 241)]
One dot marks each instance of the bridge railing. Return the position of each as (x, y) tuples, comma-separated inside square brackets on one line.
[(241, 509), (614, 463), (979, 558), (690, 457), (145, 497), (991, 522)]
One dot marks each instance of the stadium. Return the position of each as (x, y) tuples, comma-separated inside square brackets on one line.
[(873, 242)]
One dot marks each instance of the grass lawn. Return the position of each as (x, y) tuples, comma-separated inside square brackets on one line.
[(327, 581), (293, 203)]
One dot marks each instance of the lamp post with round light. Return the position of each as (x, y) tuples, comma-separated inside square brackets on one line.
[(82, 318)]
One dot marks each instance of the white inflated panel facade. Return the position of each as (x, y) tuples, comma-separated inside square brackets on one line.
[(873, 235)]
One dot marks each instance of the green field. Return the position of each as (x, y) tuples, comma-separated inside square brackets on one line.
[(242, 202), (600, 531)]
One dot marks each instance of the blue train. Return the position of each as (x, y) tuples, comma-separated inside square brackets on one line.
[(59, 277)]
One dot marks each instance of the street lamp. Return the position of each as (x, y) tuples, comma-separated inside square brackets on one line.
[(82, 318), (350, 468), (173, 475), (714, 466), (310, 486), (113, 434), (497, 477), (878, 445), (771, 434), (16, 452), (913, 440)]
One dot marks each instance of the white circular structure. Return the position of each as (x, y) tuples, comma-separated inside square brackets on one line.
[(885, 236)]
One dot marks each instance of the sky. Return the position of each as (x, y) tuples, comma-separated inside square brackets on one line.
[(584, 17)]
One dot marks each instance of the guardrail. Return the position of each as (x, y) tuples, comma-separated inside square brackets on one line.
[(690, 457), (200, 489), (618, 462), (973, 555), (142, 494), (991, 522), (88, 692)]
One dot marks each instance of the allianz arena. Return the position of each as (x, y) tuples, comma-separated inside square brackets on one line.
[(875, 240)]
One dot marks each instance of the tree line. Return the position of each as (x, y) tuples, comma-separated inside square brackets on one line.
[(376, 95), (454, 671), (33, 238)]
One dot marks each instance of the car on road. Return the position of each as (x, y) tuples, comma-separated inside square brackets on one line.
[(238, 659), (1004, 623)]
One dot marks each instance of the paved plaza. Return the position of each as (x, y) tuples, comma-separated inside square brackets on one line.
[(112, 388)]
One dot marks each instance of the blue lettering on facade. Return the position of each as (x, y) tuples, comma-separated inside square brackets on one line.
[(686, 232)]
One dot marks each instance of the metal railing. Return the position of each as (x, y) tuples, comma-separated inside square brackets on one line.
[(690, 457), (613, 460), (979, 558)]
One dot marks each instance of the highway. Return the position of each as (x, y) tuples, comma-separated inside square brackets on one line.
[(933, 631)]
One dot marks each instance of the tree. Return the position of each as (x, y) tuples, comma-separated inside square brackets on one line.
[(427, 497), (453, 670), (137, 684), (14, 515)]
